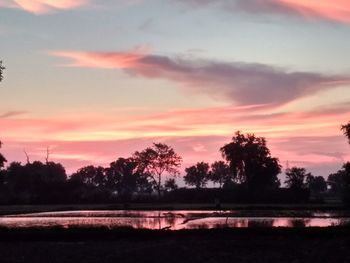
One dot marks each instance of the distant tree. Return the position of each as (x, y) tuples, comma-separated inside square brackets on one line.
[(197, 175), (251, 162), (296, 178), (89, 176), (346, 130), (156, 161), (316, 184), (1, 71), (220, 173), (170, 184)]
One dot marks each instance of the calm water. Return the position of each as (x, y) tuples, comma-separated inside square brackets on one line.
[(172, 220)]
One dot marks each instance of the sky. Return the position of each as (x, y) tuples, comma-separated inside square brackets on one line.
[(95, 80)]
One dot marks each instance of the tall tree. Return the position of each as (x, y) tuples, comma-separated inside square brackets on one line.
[(346, 130), (156, 161), (197, 175), (220, 173), (251, 162)]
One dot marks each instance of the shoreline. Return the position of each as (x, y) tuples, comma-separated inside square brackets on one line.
[(19, 209)]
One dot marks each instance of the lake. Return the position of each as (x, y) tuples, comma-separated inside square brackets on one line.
[(175, 220)]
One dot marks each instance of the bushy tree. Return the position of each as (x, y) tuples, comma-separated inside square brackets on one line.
[(124, 177), (170, 184), (251, 162), (296, 178), (220, 173), (157, 161), (89, 176), (346, 130), (35, 182), (339, 182), (316, 184), (197, 175)]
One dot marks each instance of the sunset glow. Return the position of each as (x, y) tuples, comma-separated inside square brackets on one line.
[(42, 6), (338, 10), (97, 80)]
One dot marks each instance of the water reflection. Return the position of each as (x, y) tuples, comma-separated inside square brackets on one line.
[(172, 220)]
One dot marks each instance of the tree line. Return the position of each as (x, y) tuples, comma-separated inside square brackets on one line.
[(247, 169)]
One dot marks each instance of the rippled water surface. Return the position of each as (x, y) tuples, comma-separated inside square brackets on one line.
[(172, 220)]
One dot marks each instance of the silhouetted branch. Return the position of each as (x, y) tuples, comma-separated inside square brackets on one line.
[(27, 156)]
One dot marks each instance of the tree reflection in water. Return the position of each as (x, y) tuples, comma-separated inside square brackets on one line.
[(172, 220)]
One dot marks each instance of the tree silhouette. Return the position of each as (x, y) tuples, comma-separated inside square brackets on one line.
[(251, 162), (90, 176), (340, 182), (296, 178), (35, 182), (2, 159), (336, 182), (316, 184), (220, 173), (1, 71), (170, 184), (346, 130), (156, 161), (197, 175), (124, 177)]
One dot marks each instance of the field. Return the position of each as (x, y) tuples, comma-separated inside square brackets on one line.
[(221, 245)]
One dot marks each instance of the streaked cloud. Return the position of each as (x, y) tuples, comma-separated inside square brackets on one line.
[(239, 82), (43, 6), (336, 10), (280, 127), (10, 114)]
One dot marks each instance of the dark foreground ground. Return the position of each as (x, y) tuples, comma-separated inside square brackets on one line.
[(220, 245)]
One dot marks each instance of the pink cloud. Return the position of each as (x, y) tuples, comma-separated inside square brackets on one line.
[(243, 83), (43, 6), (303, 138), (336, 10), (107, 60)]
